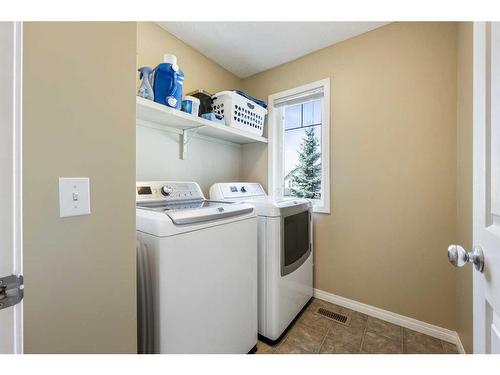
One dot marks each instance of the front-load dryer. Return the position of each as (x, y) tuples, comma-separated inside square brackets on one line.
[(285, 257), (197, 271)]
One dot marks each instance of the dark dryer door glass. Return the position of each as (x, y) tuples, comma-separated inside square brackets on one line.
[(296, 241)]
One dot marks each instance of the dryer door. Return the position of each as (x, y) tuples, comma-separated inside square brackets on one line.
[(296, 238)]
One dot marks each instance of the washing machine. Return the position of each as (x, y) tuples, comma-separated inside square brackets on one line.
[(197, 271), (285, 260)]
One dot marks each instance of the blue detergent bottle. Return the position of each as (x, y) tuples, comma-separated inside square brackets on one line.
[(168, 82)]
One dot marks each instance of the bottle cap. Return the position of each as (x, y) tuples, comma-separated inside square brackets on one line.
[(172, 60)]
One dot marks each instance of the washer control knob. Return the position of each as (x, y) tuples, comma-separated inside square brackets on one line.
[(166, 190), (243, 189)]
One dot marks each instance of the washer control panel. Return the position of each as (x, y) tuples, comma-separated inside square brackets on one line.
[(147, 191)]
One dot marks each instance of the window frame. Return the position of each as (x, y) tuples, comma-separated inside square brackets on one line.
[(275, 149)]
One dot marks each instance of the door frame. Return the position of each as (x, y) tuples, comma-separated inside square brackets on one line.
[(478, 118), (18, 176), (13, 119)]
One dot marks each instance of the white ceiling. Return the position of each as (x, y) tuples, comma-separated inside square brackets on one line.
[(246, 48)]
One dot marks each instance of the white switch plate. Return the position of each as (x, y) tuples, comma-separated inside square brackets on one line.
[(74, 196)]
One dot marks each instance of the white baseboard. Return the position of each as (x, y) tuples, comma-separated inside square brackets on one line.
[(388, 316)]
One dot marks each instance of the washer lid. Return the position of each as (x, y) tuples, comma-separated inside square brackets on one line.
[(190, 212), (165, 220), (215, 211), (164, 206)]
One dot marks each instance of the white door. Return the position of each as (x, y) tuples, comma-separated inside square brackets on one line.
[(486, 179), (10, 188)]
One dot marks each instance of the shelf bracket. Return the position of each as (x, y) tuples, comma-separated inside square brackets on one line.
[(187, 135)]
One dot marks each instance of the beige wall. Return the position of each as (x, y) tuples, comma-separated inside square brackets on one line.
[(464, 181), (79, 120), (207, 162), (393, 158)]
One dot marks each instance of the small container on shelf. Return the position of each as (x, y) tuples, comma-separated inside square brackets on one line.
[(205, 100), (239, 112), (190, 105)]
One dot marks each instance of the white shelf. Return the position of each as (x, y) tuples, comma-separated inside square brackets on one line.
[(152, 112)]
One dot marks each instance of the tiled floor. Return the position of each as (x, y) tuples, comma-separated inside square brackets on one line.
[(313, 333)]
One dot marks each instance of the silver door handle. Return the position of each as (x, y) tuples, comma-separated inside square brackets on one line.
[(459, 257)]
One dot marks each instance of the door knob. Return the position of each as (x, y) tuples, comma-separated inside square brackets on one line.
[(459, 257)]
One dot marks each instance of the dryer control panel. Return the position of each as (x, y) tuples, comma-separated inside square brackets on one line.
[(171, 191), (232, 190)]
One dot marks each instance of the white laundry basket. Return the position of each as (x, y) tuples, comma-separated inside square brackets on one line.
[(239, 112)]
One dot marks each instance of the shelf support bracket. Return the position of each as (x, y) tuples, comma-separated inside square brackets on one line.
[(187, 135)]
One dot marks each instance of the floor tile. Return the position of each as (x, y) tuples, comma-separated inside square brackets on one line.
[(418, 343), (386, 329), (263, 348), (375, 344), (358, 320), (333, 346), (347, 335), (449, 348), (301, 339)]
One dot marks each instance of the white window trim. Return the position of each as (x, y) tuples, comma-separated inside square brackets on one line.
[(275, 143)]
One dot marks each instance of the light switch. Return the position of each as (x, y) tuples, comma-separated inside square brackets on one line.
[(74, 196)]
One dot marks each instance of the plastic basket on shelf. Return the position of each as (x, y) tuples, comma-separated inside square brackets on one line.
[(239, 112)]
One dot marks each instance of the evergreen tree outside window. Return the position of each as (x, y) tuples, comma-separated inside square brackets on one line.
[(302, 151)]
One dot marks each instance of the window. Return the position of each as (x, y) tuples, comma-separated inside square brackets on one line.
[(299, 144)]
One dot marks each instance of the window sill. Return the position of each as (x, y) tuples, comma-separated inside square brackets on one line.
[(320, 210)]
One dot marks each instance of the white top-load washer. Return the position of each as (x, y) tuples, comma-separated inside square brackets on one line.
[(197, 271), (285, 260)]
